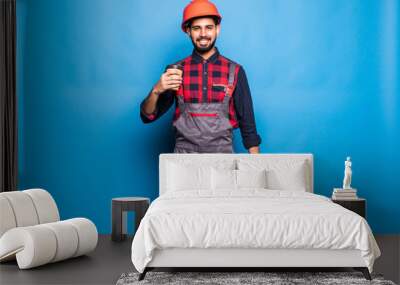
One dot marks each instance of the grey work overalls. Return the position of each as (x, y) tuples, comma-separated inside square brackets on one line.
[(205, 127)]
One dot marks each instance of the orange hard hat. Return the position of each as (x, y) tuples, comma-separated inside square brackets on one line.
[(199, 8)]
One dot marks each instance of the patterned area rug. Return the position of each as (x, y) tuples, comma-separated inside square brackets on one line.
[(270, 278)]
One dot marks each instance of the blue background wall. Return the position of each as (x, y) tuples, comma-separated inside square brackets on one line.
[(324, 77)]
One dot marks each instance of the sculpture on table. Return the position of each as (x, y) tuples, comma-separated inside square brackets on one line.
[(347, 174)]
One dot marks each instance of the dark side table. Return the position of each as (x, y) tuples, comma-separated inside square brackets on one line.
[(357, 205), (119, 208)]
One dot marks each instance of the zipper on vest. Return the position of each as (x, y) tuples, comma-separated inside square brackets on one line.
[(203, 114)]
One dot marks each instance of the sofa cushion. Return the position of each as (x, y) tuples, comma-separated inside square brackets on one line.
[(46, 207), (7, 220), (23, 208)]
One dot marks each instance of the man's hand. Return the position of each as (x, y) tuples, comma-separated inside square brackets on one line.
[(254, 149), (169, 80)]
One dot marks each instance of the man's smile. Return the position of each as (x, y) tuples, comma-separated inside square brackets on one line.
[(203, 42)]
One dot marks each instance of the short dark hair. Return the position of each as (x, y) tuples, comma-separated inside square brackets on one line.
[(188, 23)]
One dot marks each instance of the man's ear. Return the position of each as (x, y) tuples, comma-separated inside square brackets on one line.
[(218, 29), (188, 31)]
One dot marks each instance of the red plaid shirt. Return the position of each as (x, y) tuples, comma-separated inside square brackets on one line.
[(203, 81)]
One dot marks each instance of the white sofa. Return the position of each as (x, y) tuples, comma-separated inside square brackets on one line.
[(31, 231)]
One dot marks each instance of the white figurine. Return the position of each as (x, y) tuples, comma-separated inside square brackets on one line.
[(347, 174)]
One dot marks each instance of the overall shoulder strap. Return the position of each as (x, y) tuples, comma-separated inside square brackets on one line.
[(232, 67), (231, 79), (182, 62)]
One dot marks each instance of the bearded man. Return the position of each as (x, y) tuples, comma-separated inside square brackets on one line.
[(211, 93)]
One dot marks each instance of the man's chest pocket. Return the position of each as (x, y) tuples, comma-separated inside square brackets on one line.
[(218, 92)]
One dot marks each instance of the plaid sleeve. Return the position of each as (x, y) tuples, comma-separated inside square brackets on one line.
[(244, 111), (165, 101)]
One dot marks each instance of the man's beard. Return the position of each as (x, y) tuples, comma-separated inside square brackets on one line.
[(202, 50)]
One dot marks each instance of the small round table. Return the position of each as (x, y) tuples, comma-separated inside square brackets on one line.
[(119, 208)]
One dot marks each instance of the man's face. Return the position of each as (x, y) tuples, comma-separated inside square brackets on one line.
[(203, 33)]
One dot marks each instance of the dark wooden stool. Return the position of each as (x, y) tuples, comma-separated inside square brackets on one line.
[(119, 208)]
